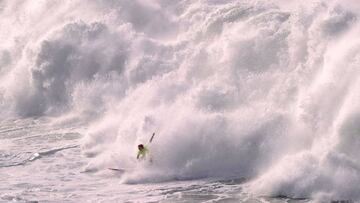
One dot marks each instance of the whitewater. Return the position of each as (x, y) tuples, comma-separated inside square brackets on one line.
[(250, 100)]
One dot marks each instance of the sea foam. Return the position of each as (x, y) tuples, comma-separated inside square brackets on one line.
[(263, 90)]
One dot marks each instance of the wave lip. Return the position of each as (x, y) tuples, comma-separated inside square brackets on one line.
[(262, 90)]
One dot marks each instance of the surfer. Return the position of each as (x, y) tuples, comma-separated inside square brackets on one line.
[(142, 153)]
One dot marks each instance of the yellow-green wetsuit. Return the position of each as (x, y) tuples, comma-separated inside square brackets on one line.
[(142, 153)]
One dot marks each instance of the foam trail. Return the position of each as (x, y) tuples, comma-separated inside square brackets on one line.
[(266, 90)]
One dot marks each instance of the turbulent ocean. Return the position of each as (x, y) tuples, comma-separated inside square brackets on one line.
[(250, 101)]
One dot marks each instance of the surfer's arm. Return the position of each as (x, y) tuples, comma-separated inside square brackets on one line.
[(138, 155)]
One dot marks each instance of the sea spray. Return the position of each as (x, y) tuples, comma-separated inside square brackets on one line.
[(260, 90)]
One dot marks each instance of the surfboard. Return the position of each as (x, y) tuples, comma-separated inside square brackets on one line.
[(118, 170)]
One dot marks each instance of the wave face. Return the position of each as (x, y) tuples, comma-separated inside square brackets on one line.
[(264, 90)]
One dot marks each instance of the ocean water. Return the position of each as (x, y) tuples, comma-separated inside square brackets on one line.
[(250, 100)]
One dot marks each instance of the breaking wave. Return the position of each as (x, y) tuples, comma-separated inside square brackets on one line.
[(264, 90)]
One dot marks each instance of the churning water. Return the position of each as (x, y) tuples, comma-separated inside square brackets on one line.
[(250, 100)]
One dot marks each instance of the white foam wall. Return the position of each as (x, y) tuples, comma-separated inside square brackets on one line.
[(262, 90)]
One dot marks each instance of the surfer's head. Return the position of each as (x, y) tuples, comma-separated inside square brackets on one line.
[(140, 146)]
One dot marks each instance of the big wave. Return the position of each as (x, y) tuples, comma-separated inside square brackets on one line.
[(264, 90)]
